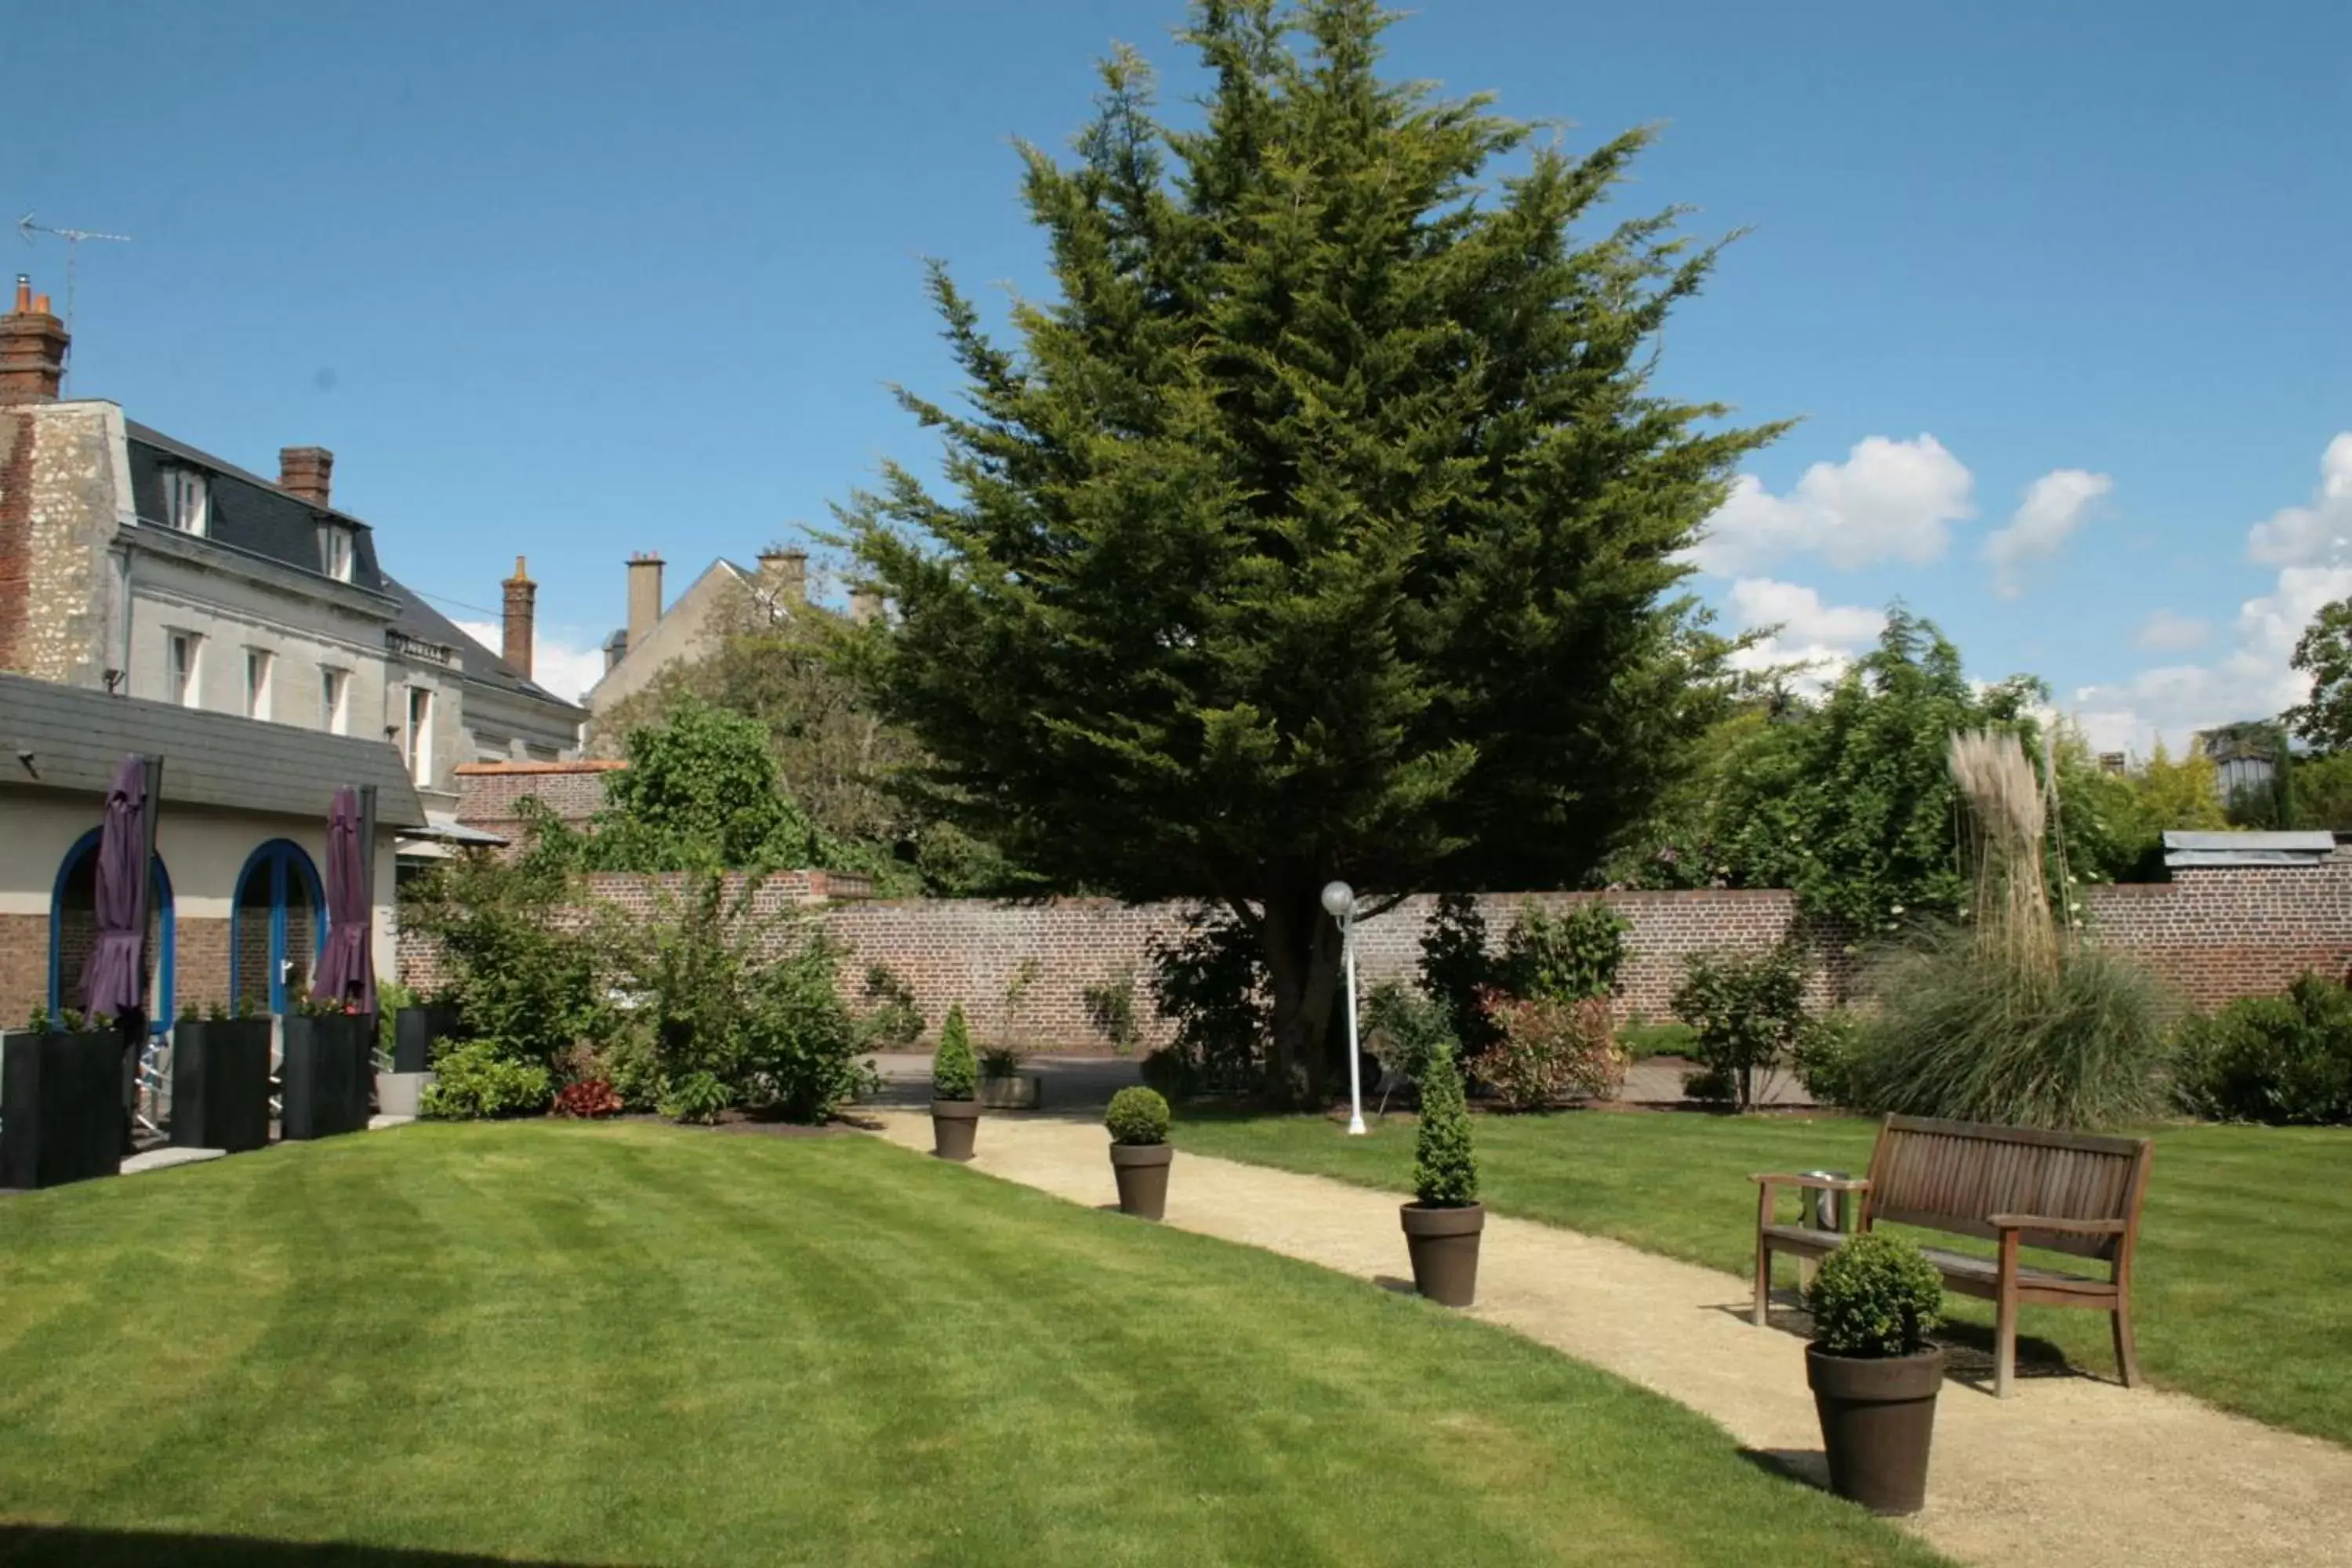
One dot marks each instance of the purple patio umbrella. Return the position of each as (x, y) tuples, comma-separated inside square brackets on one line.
[(347, 971), (114, 980)]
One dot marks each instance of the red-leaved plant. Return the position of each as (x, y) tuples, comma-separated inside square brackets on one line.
[(590, 1098), (1546, 1049)]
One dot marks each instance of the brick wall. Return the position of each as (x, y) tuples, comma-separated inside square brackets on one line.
[(2218, 932), (487, 793)]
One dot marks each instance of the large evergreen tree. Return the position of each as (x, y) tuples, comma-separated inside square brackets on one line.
[(1326, 524)]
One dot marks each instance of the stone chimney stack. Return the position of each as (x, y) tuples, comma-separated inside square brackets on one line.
[(865, 602), (33, 345), (523, 598), (307, 473), (644, 597), (784, 573)]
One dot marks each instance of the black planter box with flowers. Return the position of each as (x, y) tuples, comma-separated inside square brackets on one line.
[(220, 1083), (60, 1107), (327, 1074)]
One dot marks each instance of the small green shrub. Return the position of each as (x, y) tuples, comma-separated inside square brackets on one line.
[(1404, 1030), (1875, 1296), (2283, 1060), (1209, 982), (1566, 957), (1744, 1013), (1137, 1116), (699, 1097), (1550, 1049), (1827, 1052), (955, 1072), (1444, 1165), (482, 1079), (1714, 1085), (1960, 1028)]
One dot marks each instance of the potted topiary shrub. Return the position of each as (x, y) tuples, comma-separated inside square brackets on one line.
[(1874, 1375), (1139, 1151), (1443, 1224), (955, 1089)]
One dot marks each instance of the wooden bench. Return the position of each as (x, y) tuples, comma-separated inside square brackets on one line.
[(2014, 1186)]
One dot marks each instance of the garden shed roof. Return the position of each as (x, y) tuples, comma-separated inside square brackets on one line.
[(2190, 848)]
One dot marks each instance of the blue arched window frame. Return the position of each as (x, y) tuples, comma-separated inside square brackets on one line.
[(283, 860), (159, 893)]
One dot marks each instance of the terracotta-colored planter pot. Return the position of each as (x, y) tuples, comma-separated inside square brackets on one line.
[(1878, 1416), (953, 1123), (1443, 1243), (1141, 1170)]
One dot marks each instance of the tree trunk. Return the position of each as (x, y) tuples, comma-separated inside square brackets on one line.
[(1302, 963)]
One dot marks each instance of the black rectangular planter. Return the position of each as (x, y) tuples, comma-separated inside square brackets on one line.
[(220, 1083), (327, 1076), (414, 1030), (60, 1108)]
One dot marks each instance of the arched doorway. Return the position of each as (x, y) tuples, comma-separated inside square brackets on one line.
[(73, 929), (276, 926)]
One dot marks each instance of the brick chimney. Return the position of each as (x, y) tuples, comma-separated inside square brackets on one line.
[(522, 596), (784, 573), (305, 472), (644, 597), (865, 602), (32, 348)]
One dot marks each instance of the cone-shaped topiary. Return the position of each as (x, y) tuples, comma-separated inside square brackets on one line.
[(1875, 1296), (1445, 1166), (955, 1072), (1138, 1116)]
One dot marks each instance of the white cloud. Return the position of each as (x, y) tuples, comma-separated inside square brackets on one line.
[(2298, 535), (2252, 681), (2055, 505), (565, 670), (2166, 633), (1820, 639), (1889, 501)]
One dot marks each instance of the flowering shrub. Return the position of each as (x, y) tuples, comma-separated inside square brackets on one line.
[(1548, 1048), (588, 1098)]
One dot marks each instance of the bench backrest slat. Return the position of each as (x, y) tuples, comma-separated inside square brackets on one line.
[(1948, 1175)]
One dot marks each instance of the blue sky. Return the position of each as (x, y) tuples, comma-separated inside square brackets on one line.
[(570, 280)]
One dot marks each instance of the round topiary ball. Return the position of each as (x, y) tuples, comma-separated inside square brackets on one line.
[(1137, 1115), (1875, 1296)]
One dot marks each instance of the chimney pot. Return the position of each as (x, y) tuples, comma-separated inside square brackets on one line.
[(33, 344), (307, 473), (865, 602), (522, 615), (645, 595), (786, 574)]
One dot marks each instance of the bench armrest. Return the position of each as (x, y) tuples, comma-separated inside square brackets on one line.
[(1818, 1183), (2064, 1227)]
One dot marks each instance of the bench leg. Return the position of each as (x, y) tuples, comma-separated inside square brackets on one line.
[(1763, 1280), (2126, 1348), (2004, 1342)]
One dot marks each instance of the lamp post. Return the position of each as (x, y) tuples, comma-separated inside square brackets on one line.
[(1340, 903)]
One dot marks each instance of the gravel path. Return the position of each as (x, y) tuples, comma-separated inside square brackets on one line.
[(2068, 1470)]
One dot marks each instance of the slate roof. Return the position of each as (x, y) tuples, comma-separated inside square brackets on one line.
[(246, 512), (69, 738), (420, 620)]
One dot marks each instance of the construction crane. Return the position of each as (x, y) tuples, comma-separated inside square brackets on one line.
[(27, 228)]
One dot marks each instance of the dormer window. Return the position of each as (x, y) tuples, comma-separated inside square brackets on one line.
[(187, 500), (335, 551)]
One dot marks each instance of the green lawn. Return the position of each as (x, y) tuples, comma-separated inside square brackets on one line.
[(630, 1343), (2241, 1286)]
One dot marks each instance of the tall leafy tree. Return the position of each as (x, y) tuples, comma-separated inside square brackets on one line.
[(1326, 524), (2323, 652), (1851, 801)]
